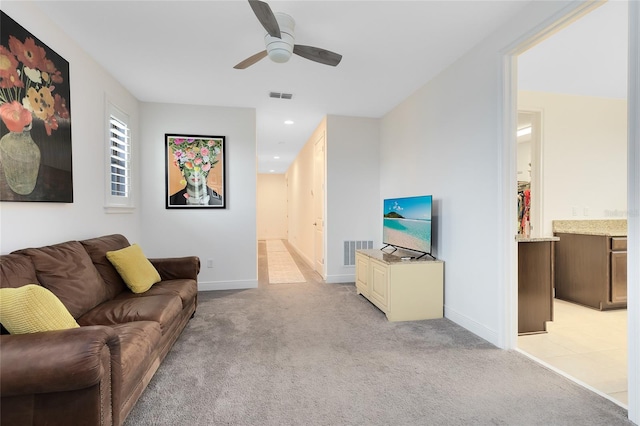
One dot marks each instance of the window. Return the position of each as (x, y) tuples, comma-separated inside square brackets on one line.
[(118, 176)]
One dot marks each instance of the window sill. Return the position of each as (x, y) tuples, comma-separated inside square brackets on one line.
[(118, 209)]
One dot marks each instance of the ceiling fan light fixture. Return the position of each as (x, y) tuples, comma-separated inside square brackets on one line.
[(280, 40), (280, 49), (279, 55)]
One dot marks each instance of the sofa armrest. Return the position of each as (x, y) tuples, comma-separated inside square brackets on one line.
[(173, 268), (56, 361)]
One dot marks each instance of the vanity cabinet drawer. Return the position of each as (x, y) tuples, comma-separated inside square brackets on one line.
[(618, 243)]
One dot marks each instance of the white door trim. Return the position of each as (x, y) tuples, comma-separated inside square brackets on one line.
[(319, 206), (633, 216), (507, 121)]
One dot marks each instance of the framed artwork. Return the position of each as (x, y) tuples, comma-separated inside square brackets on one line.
[(195, 171), (35, 129)]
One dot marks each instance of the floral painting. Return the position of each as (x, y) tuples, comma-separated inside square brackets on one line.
[(195, 171), (35, 130)]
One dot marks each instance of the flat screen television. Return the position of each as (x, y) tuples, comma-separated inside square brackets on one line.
[(407, 223)]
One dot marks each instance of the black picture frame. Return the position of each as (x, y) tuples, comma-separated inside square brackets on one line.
[(195, 176)]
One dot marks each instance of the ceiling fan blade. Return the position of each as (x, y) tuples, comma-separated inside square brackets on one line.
[(318, 55), (251, 60), (266, 17)]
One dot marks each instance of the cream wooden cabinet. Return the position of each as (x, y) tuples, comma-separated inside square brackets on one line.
[(362, 274), (403, 290)]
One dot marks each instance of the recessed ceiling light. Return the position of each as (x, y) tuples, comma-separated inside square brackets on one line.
[(271, 171), (275, 157), (288, 122)]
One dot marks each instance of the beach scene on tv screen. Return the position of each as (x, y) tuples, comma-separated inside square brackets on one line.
[(407, 223)]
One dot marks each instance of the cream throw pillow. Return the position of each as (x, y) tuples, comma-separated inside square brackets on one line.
[(134, 268), (33, 308)]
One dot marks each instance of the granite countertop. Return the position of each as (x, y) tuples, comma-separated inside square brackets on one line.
[(521, 239), (611, 228), (396, 257)]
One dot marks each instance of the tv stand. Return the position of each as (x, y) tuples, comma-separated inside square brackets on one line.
[(404, 289)]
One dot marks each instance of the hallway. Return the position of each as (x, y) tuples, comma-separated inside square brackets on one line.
[(285, 268)]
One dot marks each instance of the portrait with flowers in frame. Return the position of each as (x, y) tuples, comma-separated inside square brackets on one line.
[(35, 125), (195, 171)]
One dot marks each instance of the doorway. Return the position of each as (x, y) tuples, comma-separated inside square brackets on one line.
[(318, 204), (509, 127), (530, 173)]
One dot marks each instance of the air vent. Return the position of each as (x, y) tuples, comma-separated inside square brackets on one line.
[(278, 95), (350, 247)]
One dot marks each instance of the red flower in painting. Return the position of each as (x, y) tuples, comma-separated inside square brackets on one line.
[(60, 106), (9, 70), (28, 53), (50, 123), (15, 116), (50, 69)]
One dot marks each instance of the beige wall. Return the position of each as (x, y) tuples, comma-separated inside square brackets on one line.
[(584, 156), (272, 206)]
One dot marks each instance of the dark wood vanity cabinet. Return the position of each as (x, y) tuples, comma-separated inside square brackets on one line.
[(618, 264), (535, 284), (591, 270)]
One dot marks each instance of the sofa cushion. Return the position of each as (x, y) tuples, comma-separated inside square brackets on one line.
[(16, 270), (134, 268), (97, 249), (66, 269), (185, 289), (138, 341), (161, 309), (32, 309)]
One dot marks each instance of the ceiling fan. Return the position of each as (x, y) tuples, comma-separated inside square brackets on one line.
[(279, 40)]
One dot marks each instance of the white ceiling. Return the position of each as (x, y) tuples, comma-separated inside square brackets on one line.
[(184, 52)]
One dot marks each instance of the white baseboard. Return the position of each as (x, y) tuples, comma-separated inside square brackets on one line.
[(304, 257), (273, 237), (227, 285), (472, 325), (334, 279)]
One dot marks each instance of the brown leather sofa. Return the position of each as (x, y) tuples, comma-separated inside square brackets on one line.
[(94, 374)]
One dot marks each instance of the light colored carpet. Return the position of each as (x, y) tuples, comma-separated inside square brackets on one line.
[(282, 267), (319, 354)]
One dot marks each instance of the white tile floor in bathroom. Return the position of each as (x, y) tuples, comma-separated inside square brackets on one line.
[(587, 344)]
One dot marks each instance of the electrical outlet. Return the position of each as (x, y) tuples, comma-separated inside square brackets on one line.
[(209, 263), (585, 211), (575, 211)]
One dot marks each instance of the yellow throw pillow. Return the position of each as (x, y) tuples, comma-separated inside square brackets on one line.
[(33, 308), (134, 268)]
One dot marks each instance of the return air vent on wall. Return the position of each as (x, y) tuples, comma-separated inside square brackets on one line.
[(278, 95), (350, 248)]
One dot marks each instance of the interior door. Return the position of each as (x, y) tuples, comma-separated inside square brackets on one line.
[(530, 170), (318, 204)]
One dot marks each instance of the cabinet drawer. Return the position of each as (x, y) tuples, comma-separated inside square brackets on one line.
[(618, 243), (618, 289)]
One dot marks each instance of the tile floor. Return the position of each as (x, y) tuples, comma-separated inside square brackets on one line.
[(586, 344)]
